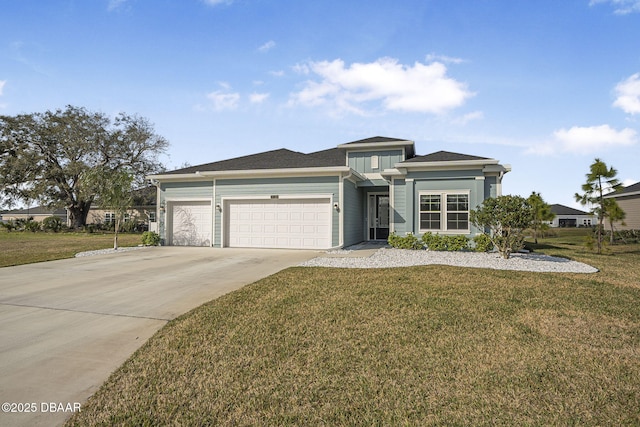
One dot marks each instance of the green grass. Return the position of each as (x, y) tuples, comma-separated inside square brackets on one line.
[(429, 345), (18, 248)]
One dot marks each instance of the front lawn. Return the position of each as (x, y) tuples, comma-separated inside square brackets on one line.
[(25, 247), (427, 345)]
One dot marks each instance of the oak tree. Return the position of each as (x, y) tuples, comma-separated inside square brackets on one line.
[(48, 156)]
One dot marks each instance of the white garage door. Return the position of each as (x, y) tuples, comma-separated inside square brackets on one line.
[(190, 224), (278, 223)]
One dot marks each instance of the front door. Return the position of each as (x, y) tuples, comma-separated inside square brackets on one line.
[(378, 216)]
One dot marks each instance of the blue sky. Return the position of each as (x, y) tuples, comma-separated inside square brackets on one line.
[(545, 86)]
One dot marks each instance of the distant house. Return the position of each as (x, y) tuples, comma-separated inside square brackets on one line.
[(629, 200), (570, 217), (38, 213), (143, 211)]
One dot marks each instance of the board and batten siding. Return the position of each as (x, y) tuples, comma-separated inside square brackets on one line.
[(360, 161), (260, 187), (195, 190)]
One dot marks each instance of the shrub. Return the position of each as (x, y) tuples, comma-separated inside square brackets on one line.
[(150, 238), (506, 217), (52, 223), (483, 243), (436, 242), (407, 242)]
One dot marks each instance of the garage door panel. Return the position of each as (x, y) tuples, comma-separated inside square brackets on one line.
[(191, 224), (283, 223)]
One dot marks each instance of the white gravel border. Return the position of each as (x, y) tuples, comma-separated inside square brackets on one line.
[(389, 257), (109, 251)]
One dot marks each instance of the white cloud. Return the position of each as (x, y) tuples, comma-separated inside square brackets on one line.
[(419, 88), (224, 100), (267, 46), (628, 181), (620, 7), (258, 98), (475, 115), (279, 73), (628, 92), (2, 83), (586, 140), (443, 58)]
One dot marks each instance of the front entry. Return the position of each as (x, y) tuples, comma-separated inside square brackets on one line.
[(378, 216)]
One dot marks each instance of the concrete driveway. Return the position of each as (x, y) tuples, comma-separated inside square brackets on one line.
[(66, 325)]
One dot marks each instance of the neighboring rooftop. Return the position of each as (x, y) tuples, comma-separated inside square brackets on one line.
[(566, 210), (629, 190)]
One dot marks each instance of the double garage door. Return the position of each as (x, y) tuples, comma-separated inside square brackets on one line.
[(278, 223), (271, 223)]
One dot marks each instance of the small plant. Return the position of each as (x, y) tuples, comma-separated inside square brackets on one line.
[(483, 243), (407, 242), (150, 238), (52, 223)]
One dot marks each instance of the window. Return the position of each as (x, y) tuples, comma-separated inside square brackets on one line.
[(444, 211), (152, 217), (109, 217), (374, 162)]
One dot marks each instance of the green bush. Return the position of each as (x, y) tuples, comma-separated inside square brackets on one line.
[(407, 242), (437, 242), (150, 238), (52, 223), (483, 243)]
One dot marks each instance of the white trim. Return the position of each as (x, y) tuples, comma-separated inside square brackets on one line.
[(253, 173), (443, 210), (262, 197), (368, 226), (392, 203), (213, 215), (375, 145), (375, 161), (340, 213)]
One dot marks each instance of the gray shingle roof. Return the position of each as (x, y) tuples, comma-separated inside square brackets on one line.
[(37, 210), (444, 156), (631, 188), (274, 159), (375, 139), (566, 210)]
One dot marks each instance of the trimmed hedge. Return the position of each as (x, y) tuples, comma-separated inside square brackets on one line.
[(437, 242)]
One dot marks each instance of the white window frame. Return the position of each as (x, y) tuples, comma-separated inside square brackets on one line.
[(444, 211), (375, 162)]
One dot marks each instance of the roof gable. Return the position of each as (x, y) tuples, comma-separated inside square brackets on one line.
[(558, 209), (374, 140)]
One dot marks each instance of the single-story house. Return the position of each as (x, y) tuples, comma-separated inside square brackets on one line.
[(143, 211), (629, 201), (357, 191), (38, 213), (571, 217)]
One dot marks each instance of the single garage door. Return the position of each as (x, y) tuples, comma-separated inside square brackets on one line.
[(190, 223), (278, 223)]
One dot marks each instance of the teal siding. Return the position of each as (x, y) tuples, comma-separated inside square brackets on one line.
[(491, 186), (360, 161), (182, 190), (399, 208), (353, 206), (464, 180), (323, 185)]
